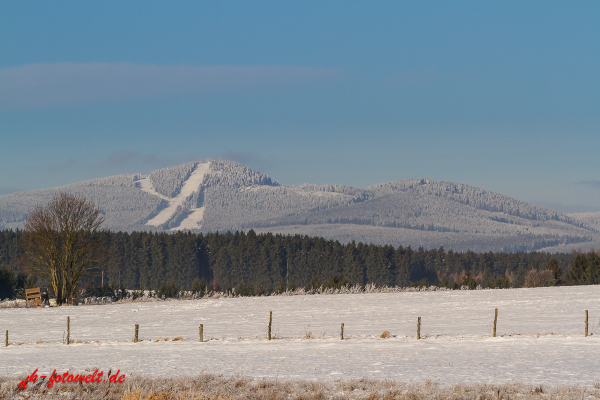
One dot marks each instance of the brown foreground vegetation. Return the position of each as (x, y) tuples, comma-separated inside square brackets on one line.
[(217, 387)]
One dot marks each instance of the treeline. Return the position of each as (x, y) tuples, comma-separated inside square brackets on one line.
[(267, 263), (13, 285)]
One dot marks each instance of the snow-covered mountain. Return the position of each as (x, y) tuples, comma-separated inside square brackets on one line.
[(212, 195)]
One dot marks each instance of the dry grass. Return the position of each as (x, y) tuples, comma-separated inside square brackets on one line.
[(159, 396), (308, 333), (217, 387), (175, 339), (385, 334)]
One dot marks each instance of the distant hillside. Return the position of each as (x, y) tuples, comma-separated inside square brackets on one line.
[(219, 195), (590, 218)]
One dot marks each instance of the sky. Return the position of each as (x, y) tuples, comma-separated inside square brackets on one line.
[(504, 96)]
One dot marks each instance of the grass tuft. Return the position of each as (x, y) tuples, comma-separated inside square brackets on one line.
[(308, 333)]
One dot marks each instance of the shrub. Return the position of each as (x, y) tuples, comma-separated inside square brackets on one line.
[(13, 285), (537, 278), (167, 290), (107, 289), (314, 284), (420, 284), (336, 281), (135, 294), (214, 286), (281, 287), (556, 270), (7, 284), (469, 281), (307, 333), (199, 287), (243, 289), (385, 334), (501, 282)]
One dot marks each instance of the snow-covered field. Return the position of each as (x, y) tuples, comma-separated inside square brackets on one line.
[(540, 337)]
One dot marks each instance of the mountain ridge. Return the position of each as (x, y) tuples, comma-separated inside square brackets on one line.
[(221, 195)]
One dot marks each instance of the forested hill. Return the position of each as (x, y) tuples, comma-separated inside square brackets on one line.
[(268, 261), (218, 195)]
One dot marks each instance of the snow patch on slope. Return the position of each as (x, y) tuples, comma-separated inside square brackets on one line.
[(192, 221), (189, 187), (146, 185)]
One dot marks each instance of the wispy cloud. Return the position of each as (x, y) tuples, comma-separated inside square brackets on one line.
[(593, 183), (50, 85)]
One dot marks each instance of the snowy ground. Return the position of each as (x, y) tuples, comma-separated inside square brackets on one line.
[(540, 337)]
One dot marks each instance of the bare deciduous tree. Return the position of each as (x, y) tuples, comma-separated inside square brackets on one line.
[(537, 278), (62, 241)]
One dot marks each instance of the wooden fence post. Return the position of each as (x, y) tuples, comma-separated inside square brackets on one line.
[(342, 332), (135, 339), (6, 343), (495, 321), (201, 333), (68, 330), (270, 321), (586, 323), (419, 328)]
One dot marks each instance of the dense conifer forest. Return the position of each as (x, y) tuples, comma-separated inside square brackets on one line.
[(266, 263)]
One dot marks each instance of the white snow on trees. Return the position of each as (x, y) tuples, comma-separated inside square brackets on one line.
[(224, 195)]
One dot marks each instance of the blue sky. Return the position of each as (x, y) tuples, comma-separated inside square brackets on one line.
[(500, 95)]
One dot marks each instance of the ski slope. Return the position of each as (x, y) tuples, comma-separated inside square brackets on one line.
[(540, 337), (191, 185)]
